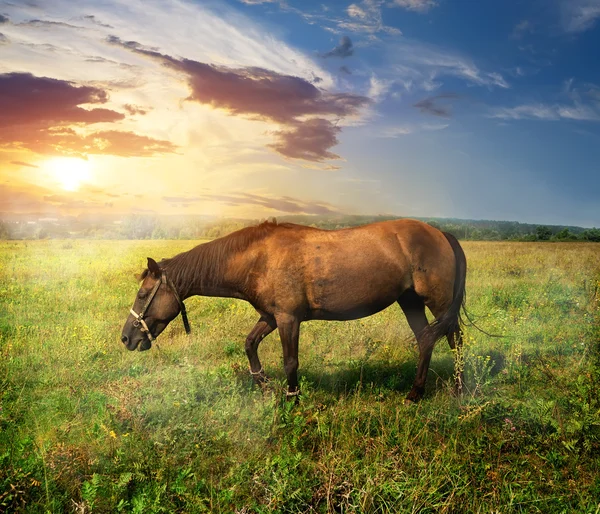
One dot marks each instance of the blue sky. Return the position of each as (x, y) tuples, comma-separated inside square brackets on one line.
[(485, 110)]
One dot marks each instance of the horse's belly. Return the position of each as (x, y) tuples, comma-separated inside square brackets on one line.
[(359, 311), (344, 301)]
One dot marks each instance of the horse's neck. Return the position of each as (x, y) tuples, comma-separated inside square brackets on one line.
[(215, 280)]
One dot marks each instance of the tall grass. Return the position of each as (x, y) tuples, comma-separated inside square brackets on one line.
[(86, 426)]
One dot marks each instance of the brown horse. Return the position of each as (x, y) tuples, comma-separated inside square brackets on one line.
[(292, 273)]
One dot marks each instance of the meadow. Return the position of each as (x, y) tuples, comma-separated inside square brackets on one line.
[(86, 426)]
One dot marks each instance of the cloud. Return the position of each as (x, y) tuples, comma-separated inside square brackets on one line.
[(547, 112), (18, 199), (182, 199), (345, 70), (3, 19), (3, 39), (21, 163), (416, 65), (579, 15), (46, 23), (134, 109), (281, 204), (107, 142), (405, 130), (343, 50), (42, 102), (420, 6), (521, 29), (365, 18), (266, 95), (432, 105), (309, 140), (34, 199), (378, 87), (93, 19), (38, 114)]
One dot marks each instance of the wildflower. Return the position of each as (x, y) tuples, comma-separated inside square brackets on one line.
[(510, 424)]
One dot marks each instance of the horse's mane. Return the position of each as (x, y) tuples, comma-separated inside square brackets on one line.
[(205, 263)]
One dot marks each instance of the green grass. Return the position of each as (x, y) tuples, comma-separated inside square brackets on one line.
[(86, 426)]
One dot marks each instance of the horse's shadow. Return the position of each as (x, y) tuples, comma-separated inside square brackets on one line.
[(378, 376)]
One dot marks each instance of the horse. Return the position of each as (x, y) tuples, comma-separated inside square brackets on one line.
[(293, 273)]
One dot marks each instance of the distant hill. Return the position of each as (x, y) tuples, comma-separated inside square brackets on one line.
[(141, 226)]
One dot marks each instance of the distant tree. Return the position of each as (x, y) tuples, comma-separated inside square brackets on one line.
[(159, 233), (543, 233), (4, 231), (186, 233), (40, 233), (138, 226), (591, 234), (564, 235)]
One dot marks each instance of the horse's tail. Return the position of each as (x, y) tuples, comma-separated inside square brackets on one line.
[(451, 321)]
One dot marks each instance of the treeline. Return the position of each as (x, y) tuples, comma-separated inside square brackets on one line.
[(201, 227)]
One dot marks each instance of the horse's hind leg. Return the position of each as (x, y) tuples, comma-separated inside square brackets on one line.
[(265, 325), (414, 309)]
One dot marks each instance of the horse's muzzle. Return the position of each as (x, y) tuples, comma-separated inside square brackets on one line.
[(139, 344)]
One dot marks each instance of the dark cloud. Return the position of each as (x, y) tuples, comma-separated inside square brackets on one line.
[(346, 70), (46, 23), (343, 50), (38, 112), (134, 109), (308, 140), (93, 19), (281, 204), (132, 45), (432, 105), (264, 95), (3, 39), (21, 163), (3, 19), (42, 102)]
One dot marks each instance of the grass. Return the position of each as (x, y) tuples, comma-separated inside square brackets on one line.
[(86, 426)]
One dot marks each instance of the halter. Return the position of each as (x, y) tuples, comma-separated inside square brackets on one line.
[(139, 318)]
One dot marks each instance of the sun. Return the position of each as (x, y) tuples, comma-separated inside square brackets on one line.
[(70, 172)]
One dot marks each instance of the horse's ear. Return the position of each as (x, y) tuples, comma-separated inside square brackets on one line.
[(153, 267)]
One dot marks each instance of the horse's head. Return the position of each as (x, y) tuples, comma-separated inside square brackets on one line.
[(156, 304)]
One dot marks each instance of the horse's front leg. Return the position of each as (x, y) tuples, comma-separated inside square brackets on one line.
[(289, 332), (265, 325)]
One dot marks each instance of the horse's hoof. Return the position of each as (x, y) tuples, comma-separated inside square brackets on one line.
[(408, 402), (293, 396)]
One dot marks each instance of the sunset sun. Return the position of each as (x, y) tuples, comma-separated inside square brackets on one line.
[(69, 172)]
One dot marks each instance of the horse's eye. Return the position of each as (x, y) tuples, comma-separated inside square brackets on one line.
[(141, 296)]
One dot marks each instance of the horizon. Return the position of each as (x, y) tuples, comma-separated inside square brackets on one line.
[(259, 108), (345, 218)]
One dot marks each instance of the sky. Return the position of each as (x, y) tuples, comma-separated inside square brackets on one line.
[(257, 108)]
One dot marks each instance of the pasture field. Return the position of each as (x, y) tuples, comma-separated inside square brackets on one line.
[(86, 426)]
